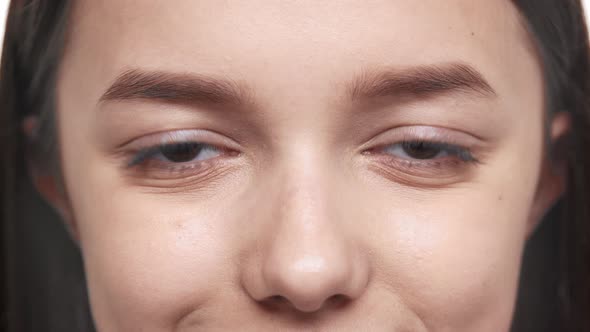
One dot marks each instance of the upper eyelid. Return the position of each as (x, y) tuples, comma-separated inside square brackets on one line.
[(387, 137), (465, 154), (149, 152), (422, 133), (202, 136)]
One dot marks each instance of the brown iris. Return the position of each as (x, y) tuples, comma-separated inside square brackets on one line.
[(421, 150), (182, 152)]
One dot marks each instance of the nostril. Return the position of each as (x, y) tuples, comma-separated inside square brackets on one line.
[(337, 301), (278, 300), (275, 303), (280, 303)]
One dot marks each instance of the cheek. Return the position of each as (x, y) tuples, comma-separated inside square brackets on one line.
[(150, 267), (455, 267), (454, 255), (149, 258)]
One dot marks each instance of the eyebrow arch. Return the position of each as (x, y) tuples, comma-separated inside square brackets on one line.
[(420, 82), (178, 88)]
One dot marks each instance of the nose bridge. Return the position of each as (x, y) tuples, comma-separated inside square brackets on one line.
[(308, 258), (307, 239), (306, 216), (305, 191)]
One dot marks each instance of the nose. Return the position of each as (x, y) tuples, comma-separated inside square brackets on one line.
[(311, 281), (307, 259)]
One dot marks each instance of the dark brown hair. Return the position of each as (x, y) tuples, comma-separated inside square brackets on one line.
[(559, 31), (35, 36)]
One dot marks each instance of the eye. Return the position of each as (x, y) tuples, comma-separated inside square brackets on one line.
[(180, 153), (425, 156), (177, 153), (177, 161), (424, 150), (185, 152)]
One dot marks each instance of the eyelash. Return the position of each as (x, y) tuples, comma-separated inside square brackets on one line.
[(450, 165), (153, 157), (149, 152), (452, 154), (451, 150)]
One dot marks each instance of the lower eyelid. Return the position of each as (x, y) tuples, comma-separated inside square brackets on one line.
[(425, 163), (163, 169), (420, 173), (167, 183), (159, 170)]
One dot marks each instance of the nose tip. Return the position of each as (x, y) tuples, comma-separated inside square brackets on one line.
[(308, 258), (311, 283)]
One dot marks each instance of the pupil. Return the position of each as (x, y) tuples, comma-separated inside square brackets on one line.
[(180, 153), (420, 150)]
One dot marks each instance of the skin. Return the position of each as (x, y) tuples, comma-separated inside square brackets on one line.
[(310, 217)]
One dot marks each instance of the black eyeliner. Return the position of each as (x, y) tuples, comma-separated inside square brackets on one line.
[(143, 154), (455, 150)]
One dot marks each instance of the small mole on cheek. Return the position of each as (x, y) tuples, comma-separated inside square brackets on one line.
[(500, 198), (180, 224), (472, 33)]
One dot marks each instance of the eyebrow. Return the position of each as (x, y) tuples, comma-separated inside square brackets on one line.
[(179, 88), (420, 82), (190, 89)]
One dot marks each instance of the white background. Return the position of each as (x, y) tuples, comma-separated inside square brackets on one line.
[(4, 6)]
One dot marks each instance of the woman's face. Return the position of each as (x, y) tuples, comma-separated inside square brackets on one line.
[(301, 165)]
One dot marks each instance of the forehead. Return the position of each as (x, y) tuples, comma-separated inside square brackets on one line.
[(311, 41)]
